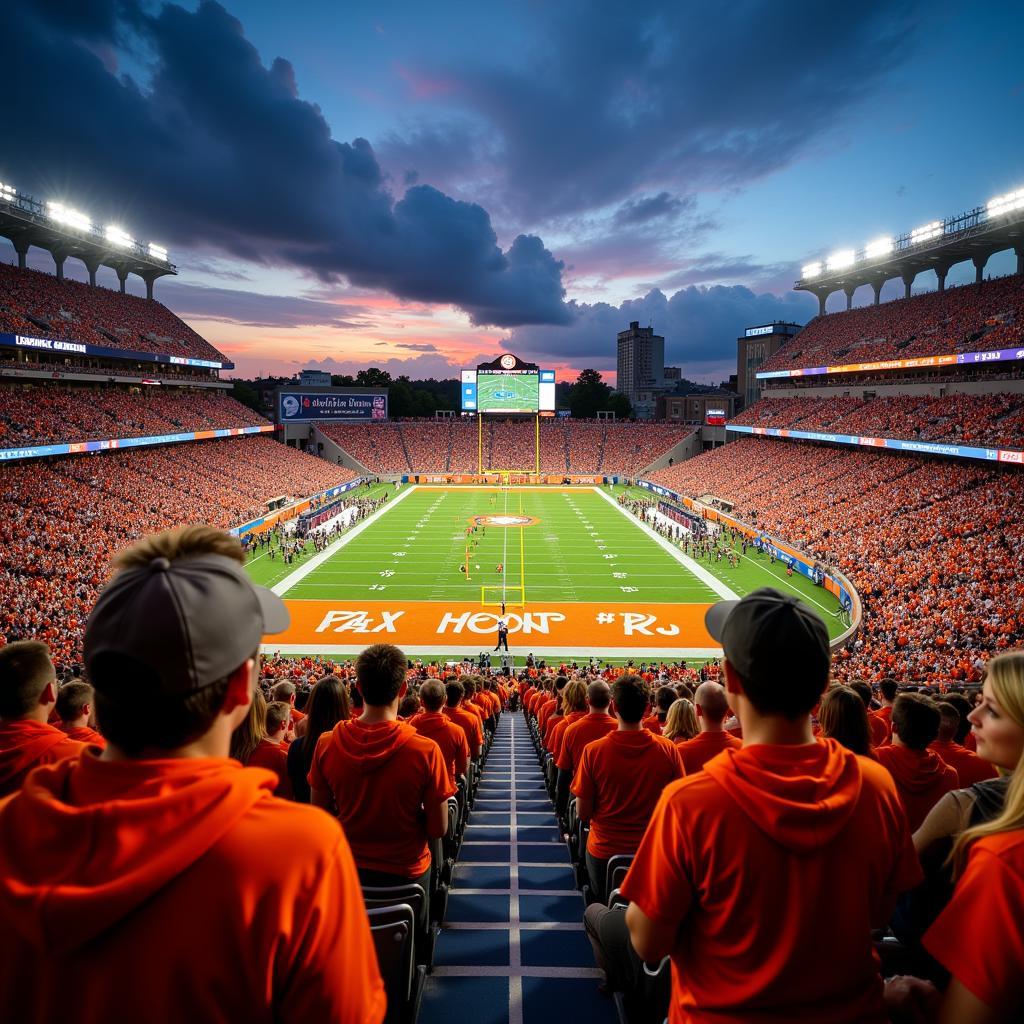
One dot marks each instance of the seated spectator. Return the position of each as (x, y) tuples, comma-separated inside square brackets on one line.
[(469, 723), (327, 706), (843, 718), (970, 768), (681, 721), (271, 752), (978, 937), (712, 705), (75, 711), (922, 778), (435, 725), (595, 725), (387, 784), (729, 876), (196, 856), (619, 780), (28, 691)]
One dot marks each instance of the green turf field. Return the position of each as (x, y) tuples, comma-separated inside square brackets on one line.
[(579, 547)]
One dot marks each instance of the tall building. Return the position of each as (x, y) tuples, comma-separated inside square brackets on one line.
[(641, 362), (753, 349)]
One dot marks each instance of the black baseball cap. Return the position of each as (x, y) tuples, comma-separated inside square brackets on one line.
[(189, 622), (768, 632)]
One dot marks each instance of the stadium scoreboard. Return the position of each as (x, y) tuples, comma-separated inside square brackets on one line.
[(508, 387)]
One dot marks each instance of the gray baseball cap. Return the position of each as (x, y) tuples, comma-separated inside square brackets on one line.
[(190, 622)]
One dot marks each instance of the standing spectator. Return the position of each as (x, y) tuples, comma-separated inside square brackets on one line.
[(595, 725), (922, 778), (712, 705), (969, 767), (469, 723), (681, 722), (75, 711), (387, 784), (436, 726), (28, 691), (270, 753), (843, 718), (729, 878), (328, 706), (255, 899)]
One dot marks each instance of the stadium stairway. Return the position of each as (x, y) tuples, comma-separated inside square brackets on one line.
[(513, 948)]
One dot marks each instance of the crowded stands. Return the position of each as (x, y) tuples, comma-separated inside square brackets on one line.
[(53, 414), (990, 419), (935, 549), (452, 446), (37, 304), (61, 521), (971, 318)]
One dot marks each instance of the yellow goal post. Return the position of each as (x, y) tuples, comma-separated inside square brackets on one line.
[(514, 596)]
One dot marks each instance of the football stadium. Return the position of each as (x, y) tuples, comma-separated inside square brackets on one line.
[(312, 709)]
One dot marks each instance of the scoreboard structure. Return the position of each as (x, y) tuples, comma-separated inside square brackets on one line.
[(508, 386)]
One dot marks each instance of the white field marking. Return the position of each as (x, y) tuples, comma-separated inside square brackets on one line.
[(317, 560), (712, 581), (789, 587), (439, 650)]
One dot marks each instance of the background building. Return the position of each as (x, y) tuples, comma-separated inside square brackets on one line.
[(753, 348), (641, 366)]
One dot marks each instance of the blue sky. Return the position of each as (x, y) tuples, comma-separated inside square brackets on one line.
[(532, 176)]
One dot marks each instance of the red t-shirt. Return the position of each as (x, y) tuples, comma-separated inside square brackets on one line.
[(590, 727), (621, 777), (25, 744), (274, 758), (704, 746), (969, 767), (773, 865), (654, 723), (979, 937), (381, 777), (448, 736), (84, 734), (544, 713), (470, 725), (879, 729), (922, 778), (255, 899)]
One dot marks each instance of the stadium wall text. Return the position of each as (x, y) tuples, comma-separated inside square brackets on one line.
[(921, 362), (955, 451), (79, 348), (41, 451)]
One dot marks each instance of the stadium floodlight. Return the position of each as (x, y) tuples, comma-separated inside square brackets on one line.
[(1005, 203), (841, 259), (810, 270), (67, 215), (117, 236), (926, 232), (157, 251), (879, 247), (7, 192)]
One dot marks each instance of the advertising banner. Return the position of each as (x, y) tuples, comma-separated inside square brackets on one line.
[(305, 406), (80, 348)]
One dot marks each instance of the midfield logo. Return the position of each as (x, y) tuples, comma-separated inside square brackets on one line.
[(504, 520)]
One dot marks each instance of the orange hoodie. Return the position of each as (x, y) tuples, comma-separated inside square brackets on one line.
[(24, 744), (922, 778), (773, 865), (253, 900), (381, 776)]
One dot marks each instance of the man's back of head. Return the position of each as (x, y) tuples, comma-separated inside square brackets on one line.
[(949, 722), (74, 700), (630, 694), (454, 692), (380, 674), (25, 673), (888, 688), (284, 691), (915, 721), (712, 704), (278, 713), (599, 695), (433, 695)]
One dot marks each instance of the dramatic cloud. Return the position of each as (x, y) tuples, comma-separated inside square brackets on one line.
[(214, 149), (651, 94), (700, 327), (660, 207)]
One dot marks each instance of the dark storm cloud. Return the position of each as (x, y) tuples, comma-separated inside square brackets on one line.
[(216, 149), (715, 95), (645, 209), (700, 326)]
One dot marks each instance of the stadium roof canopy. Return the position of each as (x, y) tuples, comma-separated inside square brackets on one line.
[(63, 232), (975, 235)]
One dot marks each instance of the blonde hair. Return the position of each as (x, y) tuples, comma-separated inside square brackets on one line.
[(681, 721), (253, 730), (1005, 674), (574, 697)]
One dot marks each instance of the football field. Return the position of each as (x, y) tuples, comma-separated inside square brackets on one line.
[(577, 574)]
